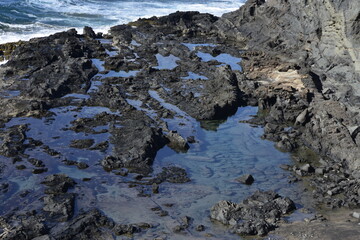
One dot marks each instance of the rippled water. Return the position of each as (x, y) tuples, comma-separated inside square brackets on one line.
[(222, 153), (224, 150)]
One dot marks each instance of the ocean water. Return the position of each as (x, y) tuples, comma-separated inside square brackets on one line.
[(25, 19)]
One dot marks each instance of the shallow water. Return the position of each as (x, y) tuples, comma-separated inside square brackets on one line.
[(9, 94), (222, 155), (166, 62), (182, 122), (54, 133), (194, 76), (77, 96), (227, 150), (96, 80), (223, 58), (138, 105), (99, 64), (219, 156)]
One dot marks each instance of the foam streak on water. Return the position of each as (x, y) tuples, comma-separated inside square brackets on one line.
[(25, 19)]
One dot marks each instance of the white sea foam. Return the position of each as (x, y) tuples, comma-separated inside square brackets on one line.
[(101, 15), (3, 62)]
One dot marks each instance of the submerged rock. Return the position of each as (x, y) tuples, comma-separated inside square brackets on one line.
[(82, 143), (172, 175), (58, 183), (177, 142), (246, 179), (87, 225)]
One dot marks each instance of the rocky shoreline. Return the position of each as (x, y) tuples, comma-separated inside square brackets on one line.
[(137, 89)]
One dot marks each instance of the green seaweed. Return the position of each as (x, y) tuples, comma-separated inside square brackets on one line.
[(304, 154), (6, 49)]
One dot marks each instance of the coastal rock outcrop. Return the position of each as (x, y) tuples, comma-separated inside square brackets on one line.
[(319, 39), (256, 215), (119, 98)]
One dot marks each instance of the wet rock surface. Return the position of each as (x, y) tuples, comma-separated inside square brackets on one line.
[(92, 102), (256, 215)]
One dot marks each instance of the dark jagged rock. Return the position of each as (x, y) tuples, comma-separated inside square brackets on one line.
[(300, 67), (246, 179), (89, 32), (22, 227), (314, 35), (58, 203), (82, 143), (60, 206), (177, 142), (136, 144), (121, 229), (58, 183), (256, 215), (39, 170), (13, 141), (221, 97), (4, 187), (87, 225), (173, 175)]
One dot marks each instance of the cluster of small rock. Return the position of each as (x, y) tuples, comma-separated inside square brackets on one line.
[(256, 215)]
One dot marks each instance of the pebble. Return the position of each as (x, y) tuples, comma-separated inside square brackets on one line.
[(319, 171), (307, 168), (163, 213), (356, 215), (200, 228)]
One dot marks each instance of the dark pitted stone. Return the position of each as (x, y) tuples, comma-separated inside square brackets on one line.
[(121, 229), (256, 215), (172, 175), (246, 179), (58, 183), (89, 32), (200, 228), (60, 206), (39, 170), (91, 224), (82, 143), (177, 142)]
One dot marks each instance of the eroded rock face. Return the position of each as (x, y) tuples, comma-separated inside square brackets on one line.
[(60, 59), (22, 228), (256, 215), (58, 183), (318, 39), (58, 203), (87, 225), (136, 144)]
